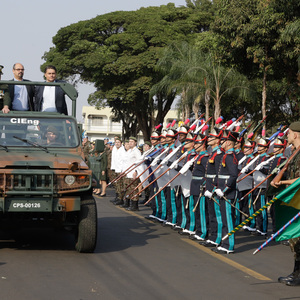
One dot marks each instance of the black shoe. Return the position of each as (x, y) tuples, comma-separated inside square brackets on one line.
[(207, 244), (294, 278), (176, 228), (285, 243), (196, 237), (125, 204), (286, 279), (295, 281), (221, 250), (119, 202), (134, 206)]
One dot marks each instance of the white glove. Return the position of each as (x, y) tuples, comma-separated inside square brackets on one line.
[(163, 162), (260, 166), (219, 193), (174, 165), (244, 170), (208, 194)]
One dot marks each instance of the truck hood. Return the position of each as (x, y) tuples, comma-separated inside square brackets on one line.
[(32, 159)]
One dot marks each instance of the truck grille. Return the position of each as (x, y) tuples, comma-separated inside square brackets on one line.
[(26, 183)]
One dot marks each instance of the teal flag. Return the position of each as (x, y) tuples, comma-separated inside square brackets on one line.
[(286, 209)]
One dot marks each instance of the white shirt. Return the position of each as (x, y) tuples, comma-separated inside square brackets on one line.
[(131, 156), (49, 99), (20, 101), (117, 158)]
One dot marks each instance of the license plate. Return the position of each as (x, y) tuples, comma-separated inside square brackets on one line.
[(31, 205)]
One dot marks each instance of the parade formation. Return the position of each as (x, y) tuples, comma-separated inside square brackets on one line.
[(207, 183)]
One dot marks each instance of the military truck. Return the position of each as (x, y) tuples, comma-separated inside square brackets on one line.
[(44, 179)]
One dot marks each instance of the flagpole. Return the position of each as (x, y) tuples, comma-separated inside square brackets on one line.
[(249, 219), (277, 233)]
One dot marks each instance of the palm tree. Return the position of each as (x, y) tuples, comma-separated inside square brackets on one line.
[(195, 75)]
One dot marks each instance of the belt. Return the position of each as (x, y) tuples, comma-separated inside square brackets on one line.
[(197, 177), (223, 176), (210, 176)]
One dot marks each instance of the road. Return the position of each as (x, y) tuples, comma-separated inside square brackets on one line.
[(139, 259)]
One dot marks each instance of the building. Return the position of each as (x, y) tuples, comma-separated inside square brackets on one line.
[(98, 123)]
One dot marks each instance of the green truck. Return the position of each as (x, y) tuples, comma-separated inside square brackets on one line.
[(44, 180)]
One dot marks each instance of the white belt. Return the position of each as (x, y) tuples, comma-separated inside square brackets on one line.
[(224, 176), (210, 176)]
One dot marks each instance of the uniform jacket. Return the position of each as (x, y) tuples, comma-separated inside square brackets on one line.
[(198, 178), (60, 101), (228, 173)]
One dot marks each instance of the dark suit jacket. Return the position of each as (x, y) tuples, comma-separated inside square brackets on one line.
[(30, 92), (60, 101)]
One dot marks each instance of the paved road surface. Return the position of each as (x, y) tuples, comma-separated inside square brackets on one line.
[(138, 259)]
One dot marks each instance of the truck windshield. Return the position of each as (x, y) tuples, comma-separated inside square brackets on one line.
[(48, 132)]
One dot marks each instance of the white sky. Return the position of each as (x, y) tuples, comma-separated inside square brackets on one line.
[(28, 27)]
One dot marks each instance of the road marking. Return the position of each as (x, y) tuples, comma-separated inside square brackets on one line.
[(228, 261), (208, 251)]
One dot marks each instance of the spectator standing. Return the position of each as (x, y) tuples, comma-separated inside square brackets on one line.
[(22, 96)]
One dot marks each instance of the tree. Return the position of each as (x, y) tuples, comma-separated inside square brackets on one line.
[(195, 74), (251, 31), (118, 53)]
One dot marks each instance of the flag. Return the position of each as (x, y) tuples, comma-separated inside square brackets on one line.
[(286, 209)]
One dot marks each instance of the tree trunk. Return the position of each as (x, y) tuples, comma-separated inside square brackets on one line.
[(207, 101), (264, 100), (217, 113), (196, 107)]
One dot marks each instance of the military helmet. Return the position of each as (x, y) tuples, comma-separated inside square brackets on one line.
[(189, 137), (171, 133), (263, 142), (216, 132), (183, 129), (249, 144), (200, 138), (155, 135), (52, 129), (280, 143), (230, 135), (163, 133)]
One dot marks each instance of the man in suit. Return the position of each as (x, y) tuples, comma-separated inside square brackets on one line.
[(21, 95), (50, 98), (5, 100)]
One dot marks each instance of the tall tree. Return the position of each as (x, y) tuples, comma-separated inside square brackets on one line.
[(251, 31), (118, 53), (198, 75)]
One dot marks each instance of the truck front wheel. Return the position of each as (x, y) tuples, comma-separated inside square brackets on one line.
[(87, 226)]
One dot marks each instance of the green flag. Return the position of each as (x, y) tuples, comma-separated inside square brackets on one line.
[(286, 209)]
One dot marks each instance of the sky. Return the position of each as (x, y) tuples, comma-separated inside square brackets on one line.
[(29, 26)]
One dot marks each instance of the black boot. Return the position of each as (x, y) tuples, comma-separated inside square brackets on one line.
[(134, 206), (116, 198), (289, 280), (126, 203), (119, 202)]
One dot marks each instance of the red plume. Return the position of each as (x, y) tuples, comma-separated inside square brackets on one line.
[(158, 126), (228, 123), (219, 120), (250, 135), (186, 121), (205, 127), (193, 127), (168, 125), (173, 123)]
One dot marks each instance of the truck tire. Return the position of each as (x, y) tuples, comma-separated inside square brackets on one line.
[(87, 226)]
